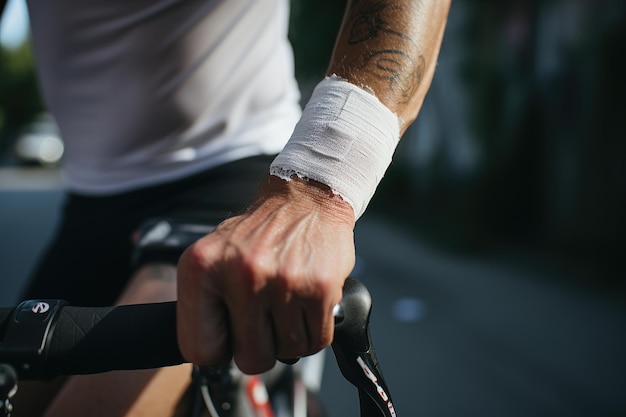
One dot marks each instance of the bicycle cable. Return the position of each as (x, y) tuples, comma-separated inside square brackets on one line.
[(208, 401)]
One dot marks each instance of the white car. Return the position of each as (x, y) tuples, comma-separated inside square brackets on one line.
[(40, 142)]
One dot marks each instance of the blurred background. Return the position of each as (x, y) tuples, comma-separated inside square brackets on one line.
[(494, 244), (522, 137)]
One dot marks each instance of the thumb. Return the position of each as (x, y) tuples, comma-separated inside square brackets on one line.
[(201, 317)]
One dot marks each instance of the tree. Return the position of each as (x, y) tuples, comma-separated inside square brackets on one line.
[(20, 99), (313, 29)]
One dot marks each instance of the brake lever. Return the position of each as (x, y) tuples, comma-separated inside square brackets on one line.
[(354, 351)]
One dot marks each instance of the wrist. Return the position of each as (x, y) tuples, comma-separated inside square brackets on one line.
[(345, 139), (306, 194)]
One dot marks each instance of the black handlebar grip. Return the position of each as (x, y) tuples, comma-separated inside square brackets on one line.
[(87, 340)]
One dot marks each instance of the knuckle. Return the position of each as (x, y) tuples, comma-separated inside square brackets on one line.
[(194, 257), (255, 265), (288, 280), (324, 285)]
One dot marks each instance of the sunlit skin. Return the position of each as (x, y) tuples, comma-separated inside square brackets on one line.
[(263, 285)]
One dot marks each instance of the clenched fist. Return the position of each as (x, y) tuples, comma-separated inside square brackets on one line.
[(263, 285)]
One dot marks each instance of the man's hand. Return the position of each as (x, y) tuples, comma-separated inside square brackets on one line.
[(263, 285)]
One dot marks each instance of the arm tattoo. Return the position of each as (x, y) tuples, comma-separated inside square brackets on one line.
[(369, 22), (392, 54), (402, 71)]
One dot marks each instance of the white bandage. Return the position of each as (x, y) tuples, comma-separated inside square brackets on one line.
[(345, 139)]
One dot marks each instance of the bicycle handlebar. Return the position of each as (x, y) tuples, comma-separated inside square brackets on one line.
[(42, 339), (89, 340)]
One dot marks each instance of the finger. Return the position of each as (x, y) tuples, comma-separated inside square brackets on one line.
[(203, 320), (291, 332), (253, 338), (203, 324), (206, 341), (320, 323)]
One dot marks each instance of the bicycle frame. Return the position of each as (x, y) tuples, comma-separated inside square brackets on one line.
[(41, 339)]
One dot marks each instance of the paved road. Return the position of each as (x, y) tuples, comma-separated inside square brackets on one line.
[(455, 336), (494, 339)]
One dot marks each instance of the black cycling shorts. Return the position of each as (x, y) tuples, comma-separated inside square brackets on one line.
[(91, 256)]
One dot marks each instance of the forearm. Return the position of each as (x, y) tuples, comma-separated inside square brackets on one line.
[(346, 138), (276, 271), (391, 48)]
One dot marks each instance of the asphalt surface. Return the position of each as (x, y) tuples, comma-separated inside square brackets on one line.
[(455, 336)]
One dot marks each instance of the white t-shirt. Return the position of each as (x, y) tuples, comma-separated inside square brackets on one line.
[(147, 91)]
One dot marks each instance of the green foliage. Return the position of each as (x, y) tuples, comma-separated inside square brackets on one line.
[(313, 29), (20, 99)]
